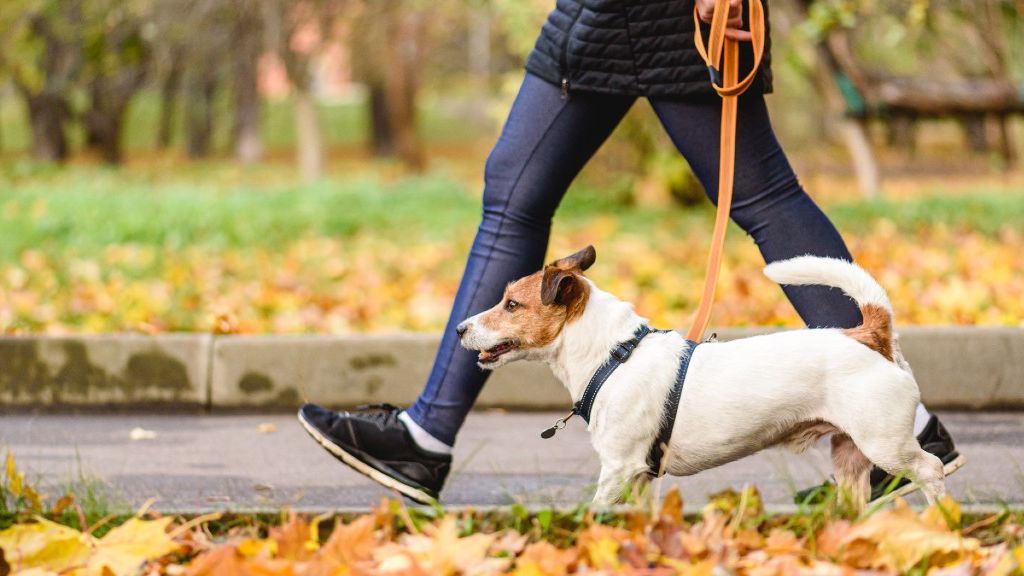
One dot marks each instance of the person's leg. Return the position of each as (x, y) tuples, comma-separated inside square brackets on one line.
[(768, 201), (545, 143)]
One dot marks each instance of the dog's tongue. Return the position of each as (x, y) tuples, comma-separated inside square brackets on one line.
[(486, 357)]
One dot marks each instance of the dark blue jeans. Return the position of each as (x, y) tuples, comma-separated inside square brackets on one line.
[(545, 143)]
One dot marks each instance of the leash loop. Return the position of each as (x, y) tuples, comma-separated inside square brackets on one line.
[(721, 54)]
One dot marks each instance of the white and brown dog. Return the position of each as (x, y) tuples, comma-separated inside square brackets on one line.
[(789, 388)]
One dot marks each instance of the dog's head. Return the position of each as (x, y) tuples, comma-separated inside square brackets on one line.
[(532, 312)]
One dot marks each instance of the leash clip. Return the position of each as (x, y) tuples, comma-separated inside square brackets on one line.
[(558, 425), (716, 76)]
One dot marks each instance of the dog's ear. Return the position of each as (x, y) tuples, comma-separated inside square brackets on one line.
[(579, 261), (559, 286)]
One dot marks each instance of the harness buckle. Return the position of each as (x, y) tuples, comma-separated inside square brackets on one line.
[(623, 350)]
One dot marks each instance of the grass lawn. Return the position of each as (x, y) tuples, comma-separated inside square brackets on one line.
[(177, 246), (164, 244)]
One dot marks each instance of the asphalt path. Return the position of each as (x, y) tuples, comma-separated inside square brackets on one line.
[(192, 463)]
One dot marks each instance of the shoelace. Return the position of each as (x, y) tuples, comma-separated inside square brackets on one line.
[(382, 414)]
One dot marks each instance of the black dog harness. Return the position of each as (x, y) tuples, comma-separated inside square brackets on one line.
[(618, 356)]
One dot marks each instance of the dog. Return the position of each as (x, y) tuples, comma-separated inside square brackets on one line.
[(789, 388)]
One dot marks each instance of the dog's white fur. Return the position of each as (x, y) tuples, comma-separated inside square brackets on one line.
[(741, 396)]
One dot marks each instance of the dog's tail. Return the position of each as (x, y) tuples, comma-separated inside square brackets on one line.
[(876, 330)]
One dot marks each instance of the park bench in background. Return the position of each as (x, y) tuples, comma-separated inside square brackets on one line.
[(977, 102)]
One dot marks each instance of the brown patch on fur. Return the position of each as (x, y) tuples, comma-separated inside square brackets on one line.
[(546, 301), (532, 323), (876, 330)]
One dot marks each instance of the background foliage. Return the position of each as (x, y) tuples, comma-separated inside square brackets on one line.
[(151, 180)]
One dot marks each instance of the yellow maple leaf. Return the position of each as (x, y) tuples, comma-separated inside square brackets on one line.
[(944, 514), (603, 553), (128, 546), (254, 547), (44, 545)]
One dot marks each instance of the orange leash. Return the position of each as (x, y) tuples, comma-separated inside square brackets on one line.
[(722, 58)]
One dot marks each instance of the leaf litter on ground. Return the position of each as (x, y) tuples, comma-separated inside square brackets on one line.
[(732, 535)]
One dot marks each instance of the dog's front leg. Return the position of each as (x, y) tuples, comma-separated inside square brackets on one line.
[(621, 483), (611, 486)]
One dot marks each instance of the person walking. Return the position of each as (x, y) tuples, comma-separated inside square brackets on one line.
[(592, 61)]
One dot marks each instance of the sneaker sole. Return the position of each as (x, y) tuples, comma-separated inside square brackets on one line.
[(370, 472), (912, 487)]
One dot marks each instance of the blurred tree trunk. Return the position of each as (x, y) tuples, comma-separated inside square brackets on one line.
[(381, 137), (199, 101), (834, 58), (111, 92), (401, 84), (46, 114), (248, 138), (103, 123), (56, 68), (386, 47), (169, 88), (479, 43), (309, 148)]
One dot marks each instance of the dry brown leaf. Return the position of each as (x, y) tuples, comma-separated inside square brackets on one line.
[(672, 506), (544, 558), (349, 545), (832, 538), (897, 539), (293, 539), (221, 561)]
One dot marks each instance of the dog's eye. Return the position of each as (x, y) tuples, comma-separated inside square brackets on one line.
[(511, 305)]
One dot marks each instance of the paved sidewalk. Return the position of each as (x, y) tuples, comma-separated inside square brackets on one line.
[(201, 462)]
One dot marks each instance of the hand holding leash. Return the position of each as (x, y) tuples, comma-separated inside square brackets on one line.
[(722, 57)]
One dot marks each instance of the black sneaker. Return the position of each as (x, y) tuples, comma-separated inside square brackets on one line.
[(374, 442), (935, 439)]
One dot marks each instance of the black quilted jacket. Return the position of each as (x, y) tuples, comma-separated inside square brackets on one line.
[(635, 47)]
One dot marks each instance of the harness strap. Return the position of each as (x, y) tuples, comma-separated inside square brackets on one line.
[(655, 459), (724, 52), (618, 355)]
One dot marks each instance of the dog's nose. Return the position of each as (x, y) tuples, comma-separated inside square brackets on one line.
[(461, 329)]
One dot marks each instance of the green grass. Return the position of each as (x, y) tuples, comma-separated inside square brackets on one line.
[(85, 208), (984, 211), (88, 501)]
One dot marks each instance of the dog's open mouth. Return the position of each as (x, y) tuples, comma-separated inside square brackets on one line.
[(492, 354)]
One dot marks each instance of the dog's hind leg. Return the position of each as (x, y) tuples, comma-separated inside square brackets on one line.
[(853, 470), (881, 424), (926, 469), (909, 459)]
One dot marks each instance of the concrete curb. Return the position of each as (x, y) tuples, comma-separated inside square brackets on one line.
[(104, 370), (956, 367)]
